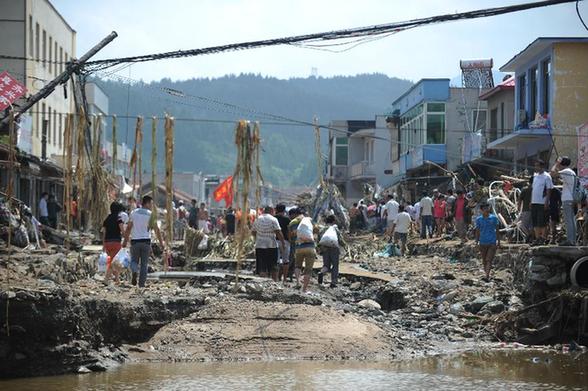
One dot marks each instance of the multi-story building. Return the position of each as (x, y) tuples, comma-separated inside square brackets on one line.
[(41, 42), (431, 120), (551, 100), (359, 155), (34, 29)]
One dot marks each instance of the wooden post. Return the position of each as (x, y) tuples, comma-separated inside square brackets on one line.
[(114, 145), (169, 169), (135, 157), (67, 153), (10, 184), (154, 159), (80, 164)]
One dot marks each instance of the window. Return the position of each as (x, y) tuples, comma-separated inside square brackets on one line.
[(436, 107), (55, 127), (31, 38), (55, 68), (341, 151), (493, 124), (478, 120), (502, 123), (50, 54), (48, 118), (44, 48), (60, 59), (43, 134), (522, 94), (533, 74), (60, 131), (37, 44), (37, 120), (546, 76), (435, 128)]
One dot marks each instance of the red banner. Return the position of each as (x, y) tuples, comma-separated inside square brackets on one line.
[(10, 90), (224, 191)]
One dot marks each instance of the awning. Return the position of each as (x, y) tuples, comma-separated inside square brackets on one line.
[(514, 139)]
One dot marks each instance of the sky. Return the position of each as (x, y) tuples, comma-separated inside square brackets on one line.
[(151, 26)]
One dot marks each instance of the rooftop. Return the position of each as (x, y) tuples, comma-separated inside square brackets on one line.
[(506, 85), (415, 85), (535, 48)]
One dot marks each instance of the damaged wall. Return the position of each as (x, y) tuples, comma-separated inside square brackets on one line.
[(570, 95)]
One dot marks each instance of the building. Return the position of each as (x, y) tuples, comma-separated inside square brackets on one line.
[(34, 29), (501, 109), (359, 155), (431, 120), (551, 100)]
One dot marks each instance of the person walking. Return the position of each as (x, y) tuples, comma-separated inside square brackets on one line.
[(426, 207), (461, 213), (487, 237), (141, 222), (440, 212), (525, 209), (390, 212), (203, 218), (284, 255), (540, 195), (193, 215), (569, 179), (330, 248), (402, 226), (450, 212), (266, 229), (230, 222), (305, 249), (53, 209), (43, 211), (112, 230)]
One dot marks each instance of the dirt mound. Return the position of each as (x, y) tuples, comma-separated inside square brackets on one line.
[(233, 329)]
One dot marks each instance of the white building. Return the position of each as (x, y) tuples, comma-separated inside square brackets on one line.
[(34, 29)]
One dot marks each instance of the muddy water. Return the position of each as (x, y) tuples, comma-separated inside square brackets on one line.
[(512, 370)]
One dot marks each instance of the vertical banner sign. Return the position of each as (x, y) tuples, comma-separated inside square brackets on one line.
[(10, 90), (583, 154)]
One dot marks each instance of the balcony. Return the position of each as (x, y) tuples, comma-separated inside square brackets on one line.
[(520, 136), (339, 173), (362, 170), (428, 152)]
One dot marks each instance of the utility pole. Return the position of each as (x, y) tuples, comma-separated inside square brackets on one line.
[(72, 67)]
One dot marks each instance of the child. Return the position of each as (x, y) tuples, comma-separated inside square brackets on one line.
[(487, 236)]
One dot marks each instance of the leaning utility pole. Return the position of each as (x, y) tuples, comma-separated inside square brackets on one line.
[(72, 67)]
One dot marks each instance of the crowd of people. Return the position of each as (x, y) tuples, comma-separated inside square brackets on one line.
[(288, 242)]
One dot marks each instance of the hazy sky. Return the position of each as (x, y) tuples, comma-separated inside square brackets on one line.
[(149, 26)]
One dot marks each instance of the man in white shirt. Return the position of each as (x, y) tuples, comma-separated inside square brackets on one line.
[(43, 211), (426, 208), (542, 185), (141, 222), (401, 227), (390, 212), (266, 229), (568, 178)]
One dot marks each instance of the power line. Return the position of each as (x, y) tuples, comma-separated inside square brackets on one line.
[(325, 36)]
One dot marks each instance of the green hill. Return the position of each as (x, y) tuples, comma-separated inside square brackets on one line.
[(207, 146)]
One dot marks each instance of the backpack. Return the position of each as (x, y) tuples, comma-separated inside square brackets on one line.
[(578, 193)]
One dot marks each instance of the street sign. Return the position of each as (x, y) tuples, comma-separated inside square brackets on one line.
[(10, 90)]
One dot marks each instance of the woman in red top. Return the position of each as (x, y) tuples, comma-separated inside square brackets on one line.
[(439, 211)]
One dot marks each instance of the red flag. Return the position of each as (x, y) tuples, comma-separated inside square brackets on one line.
[(225, 191)]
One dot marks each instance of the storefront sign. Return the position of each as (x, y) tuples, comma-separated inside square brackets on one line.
[(10, 90)]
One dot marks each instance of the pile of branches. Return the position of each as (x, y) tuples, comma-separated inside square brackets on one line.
[(328, 200)]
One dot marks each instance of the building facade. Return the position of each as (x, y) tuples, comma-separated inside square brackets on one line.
[(360, 154), (550, 100), (432, 120), (34, 29)]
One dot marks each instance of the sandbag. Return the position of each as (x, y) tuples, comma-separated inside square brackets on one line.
[(330, 238), (304, 231)]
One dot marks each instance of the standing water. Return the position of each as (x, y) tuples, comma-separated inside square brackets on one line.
[(502, 370)]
